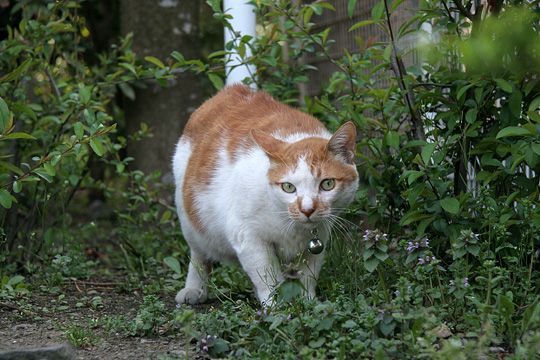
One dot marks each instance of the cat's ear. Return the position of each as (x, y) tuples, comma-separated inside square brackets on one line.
[(268, 143), (343, 142)]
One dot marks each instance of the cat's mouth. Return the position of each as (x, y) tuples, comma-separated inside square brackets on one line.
[(310, 223)]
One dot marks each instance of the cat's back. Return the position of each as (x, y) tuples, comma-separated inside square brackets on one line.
[(226, 120)]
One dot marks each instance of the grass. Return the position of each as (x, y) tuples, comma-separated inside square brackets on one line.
[(410, 304)]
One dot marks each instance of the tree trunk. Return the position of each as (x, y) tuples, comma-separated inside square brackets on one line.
[(160, 27)]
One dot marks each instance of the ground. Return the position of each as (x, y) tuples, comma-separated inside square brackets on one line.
[(45, 319)]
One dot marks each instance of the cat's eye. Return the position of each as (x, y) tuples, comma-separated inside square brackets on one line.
[(328, 184), (288, 187)]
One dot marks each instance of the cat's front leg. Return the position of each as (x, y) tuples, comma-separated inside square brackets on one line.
[(259, 261), (309, 273)]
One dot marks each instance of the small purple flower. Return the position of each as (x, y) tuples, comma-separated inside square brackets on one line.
[(466, 282), (178, 306), (374, 235), (417, 244), (289, 317), (203, 341), (421, 261), (205, 348), (367, 235)]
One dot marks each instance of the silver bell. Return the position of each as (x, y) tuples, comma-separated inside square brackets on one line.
[(315, 246)]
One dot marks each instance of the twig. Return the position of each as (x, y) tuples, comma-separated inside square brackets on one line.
[(451, 17), (96, 283), (9, 306), (53, 83), (399, 70), (346, 70), (463, 10)]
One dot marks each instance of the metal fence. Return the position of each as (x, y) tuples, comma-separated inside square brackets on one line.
[(352, 41)]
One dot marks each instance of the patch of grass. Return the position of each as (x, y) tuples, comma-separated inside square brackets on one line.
[(151, 315), (81, 336)]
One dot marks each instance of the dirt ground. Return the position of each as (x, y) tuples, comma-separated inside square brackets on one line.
[(44, 319)]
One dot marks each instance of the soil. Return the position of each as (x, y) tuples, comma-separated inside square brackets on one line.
[(44, 319)]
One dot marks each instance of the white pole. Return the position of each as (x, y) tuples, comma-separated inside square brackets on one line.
[(243, 21)]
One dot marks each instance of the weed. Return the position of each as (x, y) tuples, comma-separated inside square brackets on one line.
[(81, 337)]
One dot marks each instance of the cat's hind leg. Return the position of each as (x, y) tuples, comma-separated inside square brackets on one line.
[(196, 289)]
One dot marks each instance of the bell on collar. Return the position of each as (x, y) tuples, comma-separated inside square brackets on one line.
[(315, 245)]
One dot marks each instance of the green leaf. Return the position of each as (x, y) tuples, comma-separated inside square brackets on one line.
[(515, 103), (79, 130), (85, 93), (155, 61), (450, 205), (462, 91), (427, 151), (392, 139), (377, 10), (172, 263), (395, 5), (17, 72), (470, 116), (4, 116), (49, 169), (535, 104), (17, 187), (42, 174), (473, 249), (11, 167), (218, 53), (97, 146), (315, 344), (413, 175), (413, 216), (513, 131), (14, 280), (504, 85), (361, 24), (216, 80), (371, 264), (351, 5), (127, 91), (129, 67), (18, 135), (6, 199)]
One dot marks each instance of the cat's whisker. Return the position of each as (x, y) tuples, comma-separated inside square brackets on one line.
[(345, 221), (340, 227)]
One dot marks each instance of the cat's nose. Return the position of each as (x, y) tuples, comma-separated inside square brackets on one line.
[(307, 212)]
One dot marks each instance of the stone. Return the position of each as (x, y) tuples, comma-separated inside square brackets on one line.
[(442, 331), (52, 352)]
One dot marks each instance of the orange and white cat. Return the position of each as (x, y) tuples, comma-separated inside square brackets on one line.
[(254, 178)]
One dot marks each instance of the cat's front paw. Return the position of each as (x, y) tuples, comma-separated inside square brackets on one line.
[(191, 296)]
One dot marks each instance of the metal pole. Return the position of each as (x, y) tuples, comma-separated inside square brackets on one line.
[(243, 22)]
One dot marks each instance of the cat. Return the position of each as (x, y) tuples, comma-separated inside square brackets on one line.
[(254, 178)]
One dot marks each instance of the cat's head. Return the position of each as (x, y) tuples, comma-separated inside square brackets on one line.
[(312, 178)]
